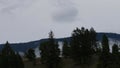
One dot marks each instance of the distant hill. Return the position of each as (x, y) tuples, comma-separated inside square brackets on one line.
[(113, 36), (23, 47)]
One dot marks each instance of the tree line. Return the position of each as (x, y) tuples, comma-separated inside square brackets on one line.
[(10, 58), (109, 59), (81, 48)]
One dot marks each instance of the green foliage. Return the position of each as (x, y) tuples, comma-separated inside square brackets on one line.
[(9, 59), (110, 60), (115, 49), (19, 61), (115, 57), (30, 54), (50, 52), (105, 44), (93, 40), (105, 57), (83, 44), (7, 50), (66, 49), (75, 45)]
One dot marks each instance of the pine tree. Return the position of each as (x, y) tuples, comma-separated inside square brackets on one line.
[(66, 49), (93, 39), (115, 57), (105, 57), (105, 44), (115, 49), (75, 46), (9, 59), (83, 43), (50, 52), (19, 61), (31, 55)]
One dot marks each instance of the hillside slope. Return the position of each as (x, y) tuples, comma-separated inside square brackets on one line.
[(23, 47)]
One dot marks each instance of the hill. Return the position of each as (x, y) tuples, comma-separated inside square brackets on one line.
[(23, 47)]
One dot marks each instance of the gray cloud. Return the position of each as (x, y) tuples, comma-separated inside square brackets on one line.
[(66, 15), (11, 6), (66, 11), (33, 19)]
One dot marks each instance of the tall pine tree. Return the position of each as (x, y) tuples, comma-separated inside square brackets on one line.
[(76, 46), (105, 44), (82, 44), (9, 59), (66, 49), (105, 58), (50, 52)]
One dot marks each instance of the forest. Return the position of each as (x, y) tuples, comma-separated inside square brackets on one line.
[(83, 51)]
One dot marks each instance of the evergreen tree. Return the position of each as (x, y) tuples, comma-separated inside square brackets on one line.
[(9, 59), (50, 52), (105, 44), (75, 46), (93, 39), (66, 49), (115, 57), (115, 49), (7, 50), (105, 58), (82, 44), (31, 55), (19, 61)]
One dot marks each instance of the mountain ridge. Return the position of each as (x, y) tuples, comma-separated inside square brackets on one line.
[(23, 47)]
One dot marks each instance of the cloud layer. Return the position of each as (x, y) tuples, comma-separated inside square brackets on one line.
[(26, 20), (65, 11)]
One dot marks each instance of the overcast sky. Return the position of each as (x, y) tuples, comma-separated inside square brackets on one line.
[(29, 20)]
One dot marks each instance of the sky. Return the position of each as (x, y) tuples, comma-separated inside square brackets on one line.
[(29, 20)]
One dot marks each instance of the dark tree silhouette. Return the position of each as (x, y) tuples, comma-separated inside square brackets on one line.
[(93, 40), (19, 61), (66, 49), (115, 49), (31, 55), (50, 52), (105, 44), (9, 59), (105, 57), (115, 57), (83, 43), (75, 46)]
